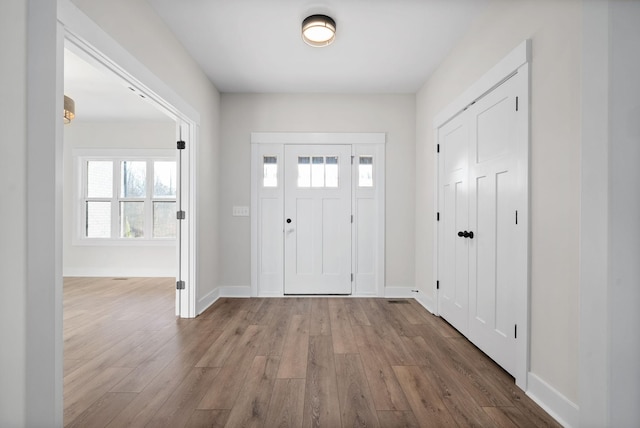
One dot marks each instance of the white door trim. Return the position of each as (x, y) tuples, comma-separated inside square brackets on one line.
[(516, 62), (362, 144), (318, 138), (85, 36)]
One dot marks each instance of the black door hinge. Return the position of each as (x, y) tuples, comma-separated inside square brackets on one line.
[(437, 285), (516, 103), (180, 215), (515, 331), (438, 216), (180, 285), (181, 145), (437, 148), (516, 216)]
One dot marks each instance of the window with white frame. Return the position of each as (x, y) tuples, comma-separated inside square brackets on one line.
[(127, 196)]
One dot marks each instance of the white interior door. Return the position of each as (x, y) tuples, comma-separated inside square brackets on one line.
[(492, 218), (317, 227), (453, 298), (478, 195)]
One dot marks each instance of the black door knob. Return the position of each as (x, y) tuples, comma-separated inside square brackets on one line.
[(465, 234), (288, 220)]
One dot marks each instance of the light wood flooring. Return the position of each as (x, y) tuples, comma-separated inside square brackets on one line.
[(279, 362)]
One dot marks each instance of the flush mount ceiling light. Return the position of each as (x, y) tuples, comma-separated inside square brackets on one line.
[(69, 110), (318, 30)]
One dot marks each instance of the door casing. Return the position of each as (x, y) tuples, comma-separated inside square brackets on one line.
[(83, 35), (369, 276)]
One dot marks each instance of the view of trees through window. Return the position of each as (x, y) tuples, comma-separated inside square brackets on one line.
[(130, 198)]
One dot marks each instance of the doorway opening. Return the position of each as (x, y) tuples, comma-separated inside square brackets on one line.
[(159, 221)]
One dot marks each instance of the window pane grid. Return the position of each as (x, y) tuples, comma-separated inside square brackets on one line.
[(143, 205), (317, 171)]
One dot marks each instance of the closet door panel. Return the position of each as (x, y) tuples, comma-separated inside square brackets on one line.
[(492, 219)]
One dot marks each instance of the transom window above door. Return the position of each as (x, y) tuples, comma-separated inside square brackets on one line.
[(318, 171)]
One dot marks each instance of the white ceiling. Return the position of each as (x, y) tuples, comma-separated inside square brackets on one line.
[(101, 96), (381, 46)]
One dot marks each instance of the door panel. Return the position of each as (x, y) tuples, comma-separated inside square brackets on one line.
[(492, 219), (317, 228), (454, 256)]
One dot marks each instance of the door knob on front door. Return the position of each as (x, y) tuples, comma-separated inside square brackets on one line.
[(288, 220), (461, 234)]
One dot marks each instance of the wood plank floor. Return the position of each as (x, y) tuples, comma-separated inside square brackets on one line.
[(279, 362)]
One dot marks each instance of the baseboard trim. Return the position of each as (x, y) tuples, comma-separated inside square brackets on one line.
[(235, 291), (207, 300), (399, 292), (553, 402), (425, 301), (108, 273)]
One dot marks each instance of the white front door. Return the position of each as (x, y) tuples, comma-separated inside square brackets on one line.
[(492, 217), (317, 219)]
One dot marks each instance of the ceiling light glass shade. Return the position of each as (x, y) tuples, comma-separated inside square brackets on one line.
[(69, 110), (318, 30)]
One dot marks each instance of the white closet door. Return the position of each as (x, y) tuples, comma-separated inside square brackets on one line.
[(317, 229), (453, 259), (477, 234), (492, 208)]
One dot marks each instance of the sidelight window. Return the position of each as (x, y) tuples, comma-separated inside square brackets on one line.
[(365, 171), (270, 171)]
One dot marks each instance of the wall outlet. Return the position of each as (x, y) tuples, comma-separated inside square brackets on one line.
[(240, 211)]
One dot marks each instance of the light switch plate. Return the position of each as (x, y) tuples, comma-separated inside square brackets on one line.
[(240, 211)]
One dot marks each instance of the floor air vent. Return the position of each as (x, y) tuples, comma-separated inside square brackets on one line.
[(398, 301)]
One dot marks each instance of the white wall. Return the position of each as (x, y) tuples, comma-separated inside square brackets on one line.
[(31, 244), (555, 30), (137, 28), (624, 178), (82, 260), (13, 223), (246, 113)]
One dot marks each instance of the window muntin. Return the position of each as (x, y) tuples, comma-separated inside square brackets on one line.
[(143, 208), (317, 171)]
